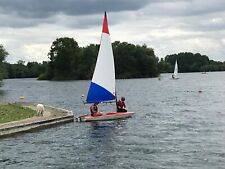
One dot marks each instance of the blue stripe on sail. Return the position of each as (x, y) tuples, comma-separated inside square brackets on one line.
[(98, 94)]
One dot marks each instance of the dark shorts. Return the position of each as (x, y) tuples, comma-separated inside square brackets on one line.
[(121, 110)]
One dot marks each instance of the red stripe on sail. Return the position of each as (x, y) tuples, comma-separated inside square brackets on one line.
[(105, 28)]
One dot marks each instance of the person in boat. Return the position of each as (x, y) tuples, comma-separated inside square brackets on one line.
[(94, 110), (121, 106)]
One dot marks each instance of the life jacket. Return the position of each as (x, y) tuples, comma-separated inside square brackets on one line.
[(121, 104), (93, 109)]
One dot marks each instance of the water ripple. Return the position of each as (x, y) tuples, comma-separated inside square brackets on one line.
[(174, 126)]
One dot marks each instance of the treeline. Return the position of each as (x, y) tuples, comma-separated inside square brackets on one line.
[(189, 62), (68, 61), (22, 70), (3, 55)]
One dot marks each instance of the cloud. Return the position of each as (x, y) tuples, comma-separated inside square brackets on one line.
[(28, 27), (178, 8), (31, 12)]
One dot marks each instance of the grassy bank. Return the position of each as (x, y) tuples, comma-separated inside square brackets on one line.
[(14, 112)]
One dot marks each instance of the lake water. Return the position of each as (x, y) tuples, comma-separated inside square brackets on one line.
[(175, 126)]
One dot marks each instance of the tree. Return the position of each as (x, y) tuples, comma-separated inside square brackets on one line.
[(69, 61), (19, 70), (125, 61), (34, 69), (3, 55), (164, 67), (134, 61), (87, 62), (64, 58)]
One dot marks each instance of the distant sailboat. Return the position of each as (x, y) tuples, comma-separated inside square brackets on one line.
[(102, 87), (175, 73)]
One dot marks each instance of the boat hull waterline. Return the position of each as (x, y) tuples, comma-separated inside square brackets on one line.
[(105, 117)]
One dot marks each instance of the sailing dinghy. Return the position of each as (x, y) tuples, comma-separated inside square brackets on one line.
[(175, 73), (102, 87)]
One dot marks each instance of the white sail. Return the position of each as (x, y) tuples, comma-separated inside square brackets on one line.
[(175, 73), (102, 87)]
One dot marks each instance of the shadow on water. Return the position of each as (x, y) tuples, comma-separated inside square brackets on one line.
[(2, 93), (101, 139)]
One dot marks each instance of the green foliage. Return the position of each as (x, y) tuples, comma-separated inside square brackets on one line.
[(164, 67), (43, 76), (64, 59), (134, 61), (3, 55), (14, 112), (214, 66), (187, 62), (69, 61), (33, 69), (3, 72), (87, 62), (20, 70)]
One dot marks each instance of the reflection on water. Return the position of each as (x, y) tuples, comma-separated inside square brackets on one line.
[(101, 142), (1, 92)]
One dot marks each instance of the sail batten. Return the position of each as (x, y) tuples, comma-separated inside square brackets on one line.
[(102, 87)]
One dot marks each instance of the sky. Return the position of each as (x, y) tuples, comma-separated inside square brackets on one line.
[(28, 27)]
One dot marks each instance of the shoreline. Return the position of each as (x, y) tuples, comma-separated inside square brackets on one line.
[(51, 116)]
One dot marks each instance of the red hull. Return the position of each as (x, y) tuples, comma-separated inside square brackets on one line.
[(105, 117)]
